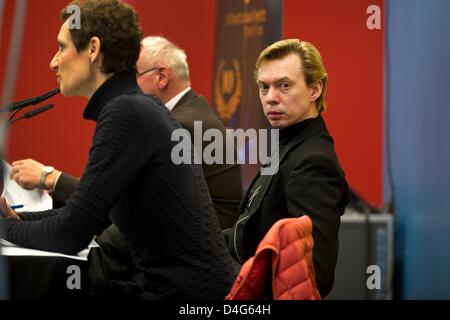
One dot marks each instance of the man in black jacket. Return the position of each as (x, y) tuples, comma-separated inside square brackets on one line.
[(292, 84)]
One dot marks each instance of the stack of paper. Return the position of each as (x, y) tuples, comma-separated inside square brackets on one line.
[(29, 200)]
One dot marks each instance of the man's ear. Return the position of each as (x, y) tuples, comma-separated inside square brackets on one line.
[(94, 50), (163, 75), (316, 90)]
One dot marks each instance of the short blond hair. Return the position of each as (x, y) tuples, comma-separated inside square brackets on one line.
[(312, 63)]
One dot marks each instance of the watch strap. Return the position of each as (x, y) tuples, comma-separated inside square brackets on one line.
[(44, 174), (42, 180)]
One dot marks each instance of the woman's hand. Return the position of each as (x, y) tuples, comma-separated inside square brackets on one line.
[(27, 174), (6, 209)]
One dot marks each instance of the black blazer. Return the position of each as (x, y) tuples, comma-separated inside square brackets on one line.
[(309, 181), (224, 180)]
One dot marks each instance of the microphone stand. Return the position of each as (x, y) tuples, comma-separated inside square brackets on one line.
[(28, 102), (18, 106), (29, 114)]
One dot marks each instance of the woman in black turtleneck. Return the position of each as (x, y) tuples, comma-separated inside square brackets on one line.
[(163, 210), (292, 85)]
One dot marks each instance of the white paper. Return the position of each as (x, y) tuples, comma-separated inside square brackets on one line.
[(32, 200), (10, 249)]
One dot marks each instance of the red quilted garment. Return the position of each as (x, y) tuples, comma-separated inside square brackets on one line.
[(287, 250)]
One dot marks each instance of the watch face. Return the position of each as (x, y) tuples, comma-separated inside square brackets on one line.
[(48, 169)]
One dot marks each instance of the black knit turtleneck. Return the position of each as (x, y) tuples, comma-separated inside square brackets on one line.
[(163, 210)]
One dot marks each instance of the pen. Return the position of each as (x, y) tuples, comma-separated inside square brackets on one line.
[(17, 206)]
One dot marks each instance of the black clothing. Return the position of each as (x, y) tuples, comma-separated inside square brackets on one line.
[(163, 210), (223, 180), (309, 181)]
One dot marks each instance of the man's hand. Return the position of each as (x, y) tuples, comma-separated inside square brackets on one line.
[(6, 209), (27, 174)]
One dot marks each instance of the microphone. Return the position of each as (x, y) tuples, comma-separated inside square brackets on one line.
[(31, 101), (37, 111), (32, 113)]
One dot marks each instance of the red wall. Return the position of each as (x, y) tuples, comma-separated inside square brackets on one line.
[(5, 38), (61, 137), (352, 53)]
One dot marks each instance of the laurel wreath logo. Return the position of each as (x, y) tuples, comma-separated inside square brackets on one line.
[(226, 109)]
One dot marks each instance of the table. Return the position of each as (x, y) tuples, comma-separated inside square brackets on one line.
[(35, 274)]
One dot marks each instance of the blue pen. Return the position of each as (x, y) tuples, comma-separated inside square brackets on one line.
[(17, 206)]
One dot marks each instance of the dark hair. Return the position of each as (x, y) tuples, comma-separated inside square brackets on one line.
[(116, 24)]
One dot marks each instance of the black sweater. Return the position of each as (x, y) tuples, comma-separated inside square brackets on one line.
[(163, 210)]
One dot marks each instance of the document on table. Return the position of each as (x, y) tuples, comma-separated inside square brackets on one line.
[(9, 249), (27, 200)]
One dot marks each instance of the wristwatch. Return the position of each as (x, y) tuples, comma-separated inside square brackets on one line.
[(45, 171)]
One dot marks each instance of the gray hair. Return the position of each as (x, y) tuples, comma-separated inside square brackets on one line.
[(159, 50)]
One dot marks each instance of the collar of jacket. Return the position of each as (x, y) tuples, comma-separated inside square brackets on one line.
[(187, 96), (304, 132), (120, 83), (313, 128)]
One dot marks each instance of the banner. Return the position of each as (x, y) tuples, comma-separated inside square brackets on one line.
[(244, 29)]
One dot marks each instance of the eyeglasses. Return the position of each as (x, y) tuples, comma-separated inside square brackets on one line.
[(146, 71)]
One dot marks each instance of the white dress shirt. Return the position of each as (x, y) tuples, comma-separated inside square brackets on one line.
[(173, 102)]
